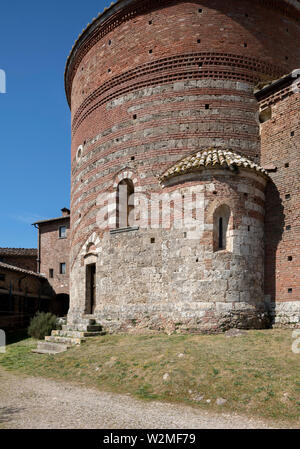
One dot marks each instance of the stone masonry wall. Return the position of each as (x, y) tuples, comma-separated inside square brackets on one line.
[(164, 280)]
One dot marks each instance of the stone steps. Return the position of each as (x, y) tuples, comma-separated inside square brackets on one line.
[(76, 334), (70, 335), (88, 318), (45, 347), (94, 328), (82, 328), (71, 341)]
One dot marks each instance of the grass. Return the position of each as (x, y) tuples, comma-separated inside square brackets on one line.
[(257, 373)]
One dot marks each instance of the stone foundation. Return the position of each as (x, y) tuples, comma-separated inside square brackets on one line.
[(195, 318), (286, 314)]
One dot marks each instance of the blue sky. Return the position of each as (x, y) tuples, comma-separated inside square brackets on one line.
[(35, 40)]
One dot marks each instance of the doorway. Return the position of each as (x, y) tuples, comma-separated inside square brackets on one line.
[(90, 288)]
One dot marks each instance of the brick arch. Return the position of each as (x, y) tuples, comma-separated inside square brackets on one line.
[(125, 174), (94, 239), (214, 205)]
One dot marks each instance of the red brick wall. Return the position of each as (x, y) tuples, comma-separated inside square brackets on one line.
[(53, 251), (125, 39), (279, 147)]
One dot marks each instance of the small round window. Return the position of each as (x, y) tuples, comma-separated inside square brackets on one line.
[(79, 153)]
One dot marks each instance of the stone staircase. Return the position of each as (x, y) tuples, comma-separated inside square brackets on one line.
[(69, 335)]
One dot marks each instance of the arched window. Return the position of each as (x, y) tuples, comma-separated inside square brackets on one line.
[(221, 231), (125, 203)]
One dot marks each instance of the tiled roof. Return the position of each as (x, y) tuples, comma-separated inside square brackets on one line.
[(18, 252), (211, 158), (21, 270)]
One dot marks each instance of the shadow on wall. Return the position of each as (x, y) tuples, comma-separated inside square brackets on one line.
[(60, 305), (274, 227)]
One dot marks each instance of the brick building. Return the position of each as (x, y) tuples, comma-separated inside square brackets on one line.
[(164, 101), (22, 294), (53, 258)]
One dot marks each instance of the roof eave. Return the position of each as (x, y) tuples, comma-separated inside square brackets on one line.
[(275, 86), (165, 180), (8, 267), (64, 217)]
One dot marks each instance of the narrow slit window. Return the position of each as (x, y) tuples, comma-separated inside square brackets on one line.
[(221, 243), (222, 224)]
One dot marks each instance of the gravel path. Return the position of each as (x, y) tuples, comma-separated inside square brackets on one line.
[(37, 403)]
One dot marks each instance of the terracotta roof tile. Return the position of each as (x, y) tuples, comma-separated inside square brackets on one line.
[(211, 158), (21, 270), (18, 252)]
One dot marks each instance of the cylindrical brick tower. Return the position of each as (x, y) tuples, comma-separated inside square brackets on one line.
[(150, 83)]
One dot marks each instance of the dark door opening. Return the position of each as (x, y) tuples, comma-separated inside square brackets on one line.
[(90, 288), (60, 305)]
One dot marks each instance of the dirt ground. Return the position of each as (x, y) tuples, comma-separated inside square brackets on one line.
[(37, 403)]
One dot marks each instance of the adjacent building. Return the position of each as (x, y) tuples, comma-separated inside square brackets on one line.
[(22, 294), (53, 258), (33, 280), (279, 103)]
